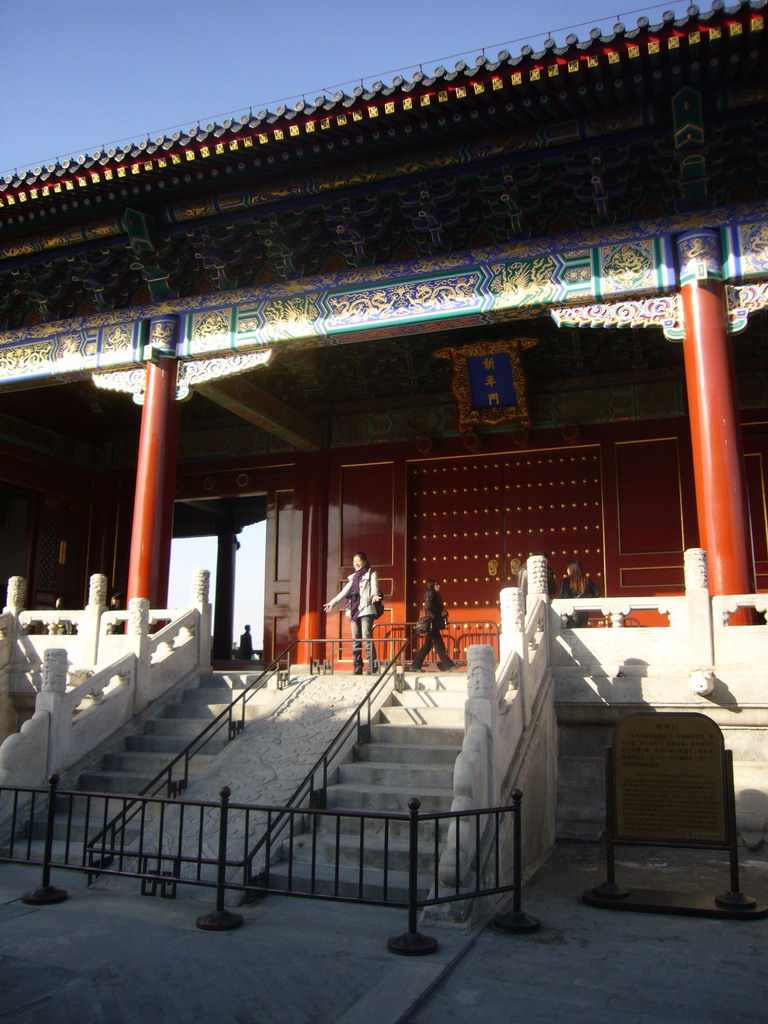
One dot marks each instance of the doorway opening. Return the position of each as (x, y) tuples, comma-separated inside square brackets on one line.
[(249, 582), (226, 536)]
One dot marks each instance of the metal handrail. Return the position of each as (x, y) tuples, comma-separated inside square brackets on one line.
[(306, 789), (165, 776), (455, 635)]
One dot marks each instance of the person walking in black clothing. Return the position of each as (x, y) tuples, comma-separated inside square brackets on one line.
[(434, 612)]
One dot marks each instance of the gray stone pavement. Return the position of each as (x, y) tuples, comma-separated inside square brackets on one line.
[(112, 957)]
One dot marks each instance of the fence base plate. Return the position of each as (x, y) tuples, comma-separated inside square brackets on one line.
[(515, 921), (412, 944), (220, 921), (47, 894)]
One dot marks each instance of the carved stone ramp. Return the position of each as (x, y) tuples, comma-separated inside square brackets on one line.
[(273, 754)]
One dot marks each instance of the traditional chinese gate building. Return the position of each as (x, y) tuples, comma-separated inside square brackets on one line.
[(513, 306)]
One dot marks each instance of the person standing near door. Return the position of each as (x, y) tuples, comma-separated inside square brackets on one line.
[(576, 583), (360, 591)]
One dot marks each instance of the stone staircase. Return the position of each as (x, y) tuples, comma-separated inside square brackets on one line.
[(143, 754), (411, 753), (164, 735)]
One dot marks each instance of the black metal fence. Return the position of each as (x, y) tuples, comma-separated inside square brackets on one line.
[(247, 851)]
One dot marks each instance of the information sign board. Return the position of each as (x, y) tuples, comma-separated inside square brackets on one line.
[(668, 779)]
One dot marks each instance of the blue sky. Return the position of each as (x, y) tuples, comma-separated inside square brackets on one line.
[(82, 75), (88, 74)]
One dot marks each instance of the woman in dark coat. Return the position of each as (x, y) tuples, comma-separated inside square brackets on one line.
[(576, 583), (434, 612)]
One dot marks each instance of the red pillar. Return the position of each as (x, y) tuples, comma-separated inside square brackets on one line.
[(314, 551), (151, 516), (718, 458), (168, 505)]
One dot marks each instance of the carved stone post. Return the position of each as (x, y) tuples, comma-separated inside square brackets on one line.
[(513, 640), (479, 711), (51, 699), (700, 634), (537, 574), (137, 628), (16, 595), (90, 627), (201, 583)]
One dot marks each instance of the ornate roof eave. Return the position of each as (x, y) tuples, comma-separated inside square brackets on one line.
[(719, 30), (418, 296)]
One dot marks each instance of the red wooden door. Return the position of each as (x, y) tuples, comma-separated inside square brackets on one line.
[(61, 553), (472, 520)]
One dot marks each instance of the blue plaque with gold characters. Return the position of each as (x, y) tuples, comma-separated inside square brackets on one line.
[(491, 381), (488, 382)]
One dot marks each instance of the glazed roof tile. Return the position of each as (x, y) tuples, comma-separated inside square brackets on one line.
[(722, 29)]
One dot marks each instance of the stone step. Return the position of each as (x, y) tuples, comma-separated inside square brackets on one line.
[(376, 850), (226, 695), (329, 880), (426, 716), (411, 778), (429, 699), (34, 850), (189, 727), (407, 753), (84, 806), (213, 694), (429, 735), (446, 682), (231, 677), (174, 743), (370, 828), (205, 713), (386, 798), (115, 782), (142, 761), (78, 826)]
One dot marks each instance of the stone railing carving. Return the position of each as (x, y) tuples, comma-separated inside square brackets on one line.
[(89, 683), (23, 758), (84, 715), (6, 658), (498, 710), (745, 644)]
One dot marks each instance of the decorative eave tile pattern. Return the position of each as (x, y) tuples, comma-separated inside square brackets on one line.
[(648, 56)]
